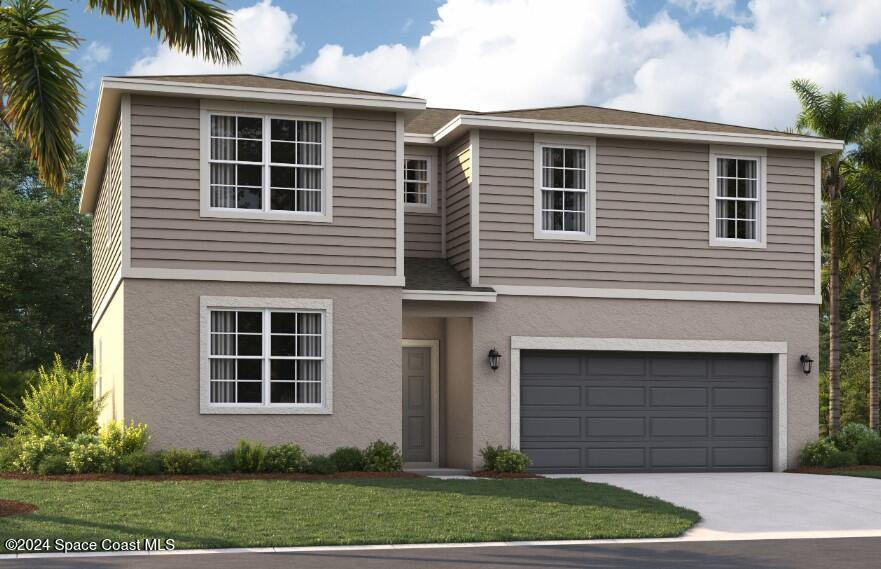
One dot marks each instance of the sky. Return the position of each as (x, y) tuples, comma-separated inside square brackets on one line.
[(727, 61)]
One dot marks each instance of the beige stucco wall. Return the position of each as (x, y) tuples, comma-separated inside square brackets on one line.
[(495, 323), (109, 356), (162, 367), (460, 394)]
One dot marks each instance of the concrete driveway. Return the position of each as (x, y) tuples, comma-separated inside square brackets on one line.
[(765, 505)]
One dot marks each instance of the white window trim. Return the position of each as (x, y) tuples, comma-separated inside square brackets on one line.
[(747, 153), (584, 143), (209, 303), (431, 203), (266, 111)]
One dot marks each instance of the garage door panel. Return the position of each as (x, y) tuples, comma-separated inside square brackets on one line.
[(555, 458), (552, 427), (634, 412), (742, 427), (554, 395), (679, 396), (603, 427), (678, 367), (742, 457), (617, 458), (616, 396), (679, 427), (616, 366), (756, 397), (741, 368)]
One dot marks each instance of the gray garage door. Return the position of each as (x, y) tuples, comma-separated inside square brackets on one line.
[(638, 412)]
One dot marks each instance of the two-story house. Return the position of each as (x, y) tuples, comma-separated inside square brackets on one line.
[(605, 290)]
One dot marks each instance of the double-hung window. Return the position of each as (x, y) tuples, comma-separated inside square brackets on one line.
[(564, 204), (265, 166), (737, 199), (417, 183), (265, 358)]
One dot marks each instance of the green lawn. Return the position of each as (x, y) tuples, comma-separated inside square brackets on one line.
[(200, 514), (858, 473)]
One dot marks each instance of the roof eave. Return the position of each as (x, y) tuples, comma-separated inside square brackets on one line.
[(106, 112), (463, 123)]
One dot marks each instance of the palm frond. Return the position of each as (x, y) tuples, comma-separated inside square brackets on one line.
[(40, 84), (195, 27)]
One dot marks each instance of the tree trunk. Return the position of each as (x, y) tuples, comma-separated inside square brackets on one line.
[(834, 315), (873, 348)]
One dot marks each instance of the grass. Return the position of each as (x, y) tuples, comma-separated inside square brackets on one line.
[(254, 513), (858, 473)]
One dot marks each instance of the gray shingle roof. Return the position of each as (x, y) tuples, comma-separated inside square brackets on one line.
[(259, 82), (436, 274)]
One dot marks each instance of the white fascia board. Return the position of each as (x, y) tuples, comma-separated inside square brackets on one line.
[(463, 122), (655, 294), (106, 112), (411, 138), (136, 85), (448, 295)]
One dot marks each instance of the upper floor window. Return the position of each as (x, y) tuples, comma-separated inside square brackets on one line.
[(266, 358), (265, 166), (417, 183), (737, 204), (564, 191)]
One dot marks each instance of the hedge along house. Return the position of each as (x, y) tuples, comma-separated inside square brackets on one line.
[(285, 261)]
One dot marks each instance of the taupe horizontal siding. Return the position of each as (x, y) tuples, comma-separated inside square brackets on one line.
[(422, 230), (652, 222), (168, 232), (458, 205), (107, 224)]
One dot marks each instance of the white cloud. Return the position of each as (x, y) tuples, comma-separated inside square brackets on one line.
[(717, 7), (266, 39), (490, 54), (95, 52)]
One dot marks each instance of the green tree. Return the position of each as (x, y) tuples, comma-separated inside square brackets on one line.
[(832, 115), (40, 86), (45, 269)]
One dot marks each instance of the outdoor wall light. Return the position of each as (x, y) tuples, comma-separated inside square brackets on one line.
[(494, 358), (806, 363)]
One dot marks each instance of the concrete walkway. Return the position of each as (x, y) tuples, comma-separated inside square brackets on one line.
[(765, 505)]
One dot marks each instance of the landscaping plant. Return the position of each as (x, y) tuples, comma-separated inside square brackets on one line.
[(320, 464), (33, 449), (59, 403), (381, 456), (88, 455), (868, 451), (249, 456), (489, 453), (121, 439), (840, 458), (348, 459), (53, 464), (140, 463), (816, 453), (851, 435), (285, 458), (510, 460), (189, 461)]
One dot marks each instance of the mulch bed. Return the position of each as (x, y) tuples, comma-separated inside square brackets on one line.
[(12, 508), (232, 476), (824, 470), (492, 474)]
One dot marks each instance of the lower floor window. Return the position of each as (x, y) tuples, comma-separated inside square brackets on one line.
[(267, 356)]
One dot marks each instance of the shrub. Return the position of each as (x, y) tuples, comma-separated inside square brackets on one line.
[(381, 456), (489, 454), (348, 459), (87, 454), (285, 458), (189, 461), (249, 456), (852, 435), (120, 440), (53, 464), (868, 451), (815, 453), (140, 463), (320, 464), (509, 460), (10, 449), (840, 458), (59, 402), (32, 450)]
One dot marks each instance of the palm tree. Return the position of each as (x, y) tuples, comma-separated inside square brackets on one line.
[(40, 86), (862, 254), (832, 115)]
